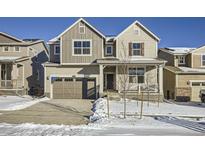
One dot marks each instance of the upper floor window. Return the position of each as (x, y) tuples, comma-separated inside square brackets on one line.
[(203, 60), (16, 48), (136, 75), (6, 48), (56, 49), (181, 59), (82, 47), (136, 49), (109, 50), (81, 28)]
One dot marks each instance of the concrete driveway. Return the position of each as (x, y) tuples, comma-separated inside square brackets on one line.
[(56, 111)]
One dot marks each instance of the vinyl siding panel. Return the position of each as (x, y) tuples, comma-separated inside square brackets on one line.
[(23, 51), (150, 44), (4, 39), (72, 34)]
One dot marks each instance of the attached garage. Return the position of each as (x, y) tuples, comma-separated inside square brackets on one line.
[(196, 86), (74, 88)]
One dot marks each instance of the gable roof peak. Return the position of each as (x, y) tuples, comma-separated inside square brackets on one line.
[(137, 22), (81, 19), (12, 37)]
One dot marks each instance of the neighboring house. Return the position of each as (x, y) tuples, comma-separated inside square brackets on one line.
[(184, 75), (84, 63), (21, 68)]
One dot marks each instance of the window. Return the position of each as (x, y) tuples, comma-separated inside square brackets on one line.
[(203, 60), (17, 48), (56, 49), (136, 75), (109, 50), (6, 48), (136, 49), (82, 47), (196, 83), (81, 28), (181, 59)]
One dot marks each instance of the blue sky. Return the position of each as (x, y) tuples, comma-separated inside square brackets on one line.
[(173, 32)]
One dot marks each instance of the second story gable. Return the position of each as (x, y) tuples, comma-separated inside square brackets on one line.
[(138, 41), (81, 43)]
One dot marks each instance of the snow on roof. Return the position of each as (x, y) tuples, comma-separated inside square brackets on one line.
[(188, 69), (179, 50)]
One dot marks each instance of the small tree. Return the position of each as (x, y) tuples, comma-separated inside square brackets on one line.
[(123, 80), (150, 77)]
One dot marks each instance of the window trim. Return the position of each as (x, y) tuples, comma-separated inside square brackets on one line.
[(109, 54), (73, 54), (136, 49), (81, 26), (137, 75), (5, 47), (56, 45), (202, 60), (184, 59), (15, 48)]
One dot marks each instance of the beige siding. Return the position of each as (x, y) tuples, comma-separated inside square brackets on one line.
[(197, 57), (12, 52), (69, 71), (73, 33), (150, 44), (184, 79), (4, 39), (169, 82)]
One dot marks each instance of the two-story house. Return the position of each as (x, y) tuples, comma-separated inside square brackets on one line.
[(184, 75), (84, 63), (21, 69)]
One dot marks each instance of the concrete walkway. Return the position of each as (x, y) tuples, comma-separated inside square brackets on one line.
[(62, 111)]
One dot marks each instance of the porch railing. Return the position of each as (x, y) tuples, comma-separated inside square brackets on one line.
[(11, 84)]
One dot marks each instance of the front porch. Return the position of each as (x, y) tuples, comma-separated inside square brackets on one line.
[(11, 78), (139, 76)]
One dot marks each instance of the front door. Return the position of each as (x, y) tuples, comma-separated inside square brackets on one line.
[(110, 81)]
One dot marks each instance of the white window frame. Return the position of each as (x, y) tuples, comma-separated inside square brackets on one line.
[(136, 49), (5, 50), (81, 40), (56, 45), (109, 54), (15, 48), (137, 75), (81, 26), (181, 56), (202, 60)]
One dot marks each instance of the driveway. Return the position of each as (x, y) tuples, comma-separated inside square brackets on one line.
[(56, 111)]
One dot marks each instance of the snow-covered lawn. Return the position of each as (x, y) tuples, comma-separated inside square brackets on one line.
[(8, 103), (115, 125), (169, 109)]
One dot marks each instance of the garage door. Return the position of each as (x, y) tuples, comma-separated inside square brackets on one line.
[(74, 88), (195, 93)]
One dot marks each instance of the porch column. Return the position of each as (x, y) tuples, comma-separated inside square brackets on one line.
[(160, 71), (101, 80)]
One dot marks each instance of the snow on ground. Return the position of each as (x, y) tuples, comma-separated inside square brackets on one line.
[(8, 103), (115, 125), (170, 109)]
